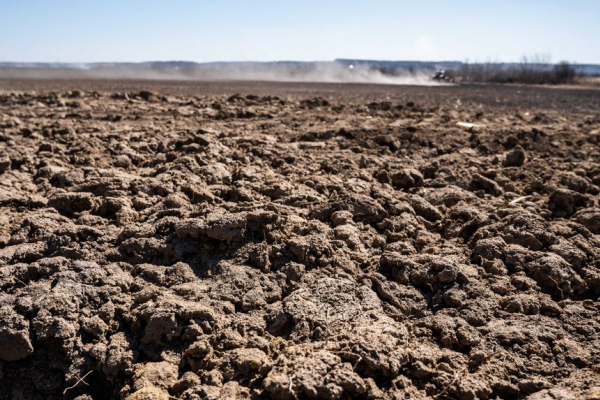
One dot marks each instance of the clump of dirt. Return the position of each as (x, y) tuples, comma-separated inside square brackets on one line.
[(167, 246)]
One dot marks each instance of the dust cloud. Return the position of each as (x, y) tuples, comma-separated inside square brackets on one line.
[(326, 72)]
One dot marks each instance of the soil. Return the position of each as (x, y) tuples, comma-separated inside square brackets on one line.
[(178, 240)]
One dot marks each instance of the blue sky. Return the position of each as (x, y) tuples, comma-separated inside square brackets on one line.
[(266, 30)]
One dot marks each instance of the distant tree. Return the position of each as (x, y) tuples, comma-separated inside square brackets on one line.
[(451, 73), (536, 70), (564, 72)]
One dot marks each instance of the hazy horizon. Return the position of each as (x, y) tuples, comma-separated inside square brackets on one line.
[(267, 30), (549, 61)]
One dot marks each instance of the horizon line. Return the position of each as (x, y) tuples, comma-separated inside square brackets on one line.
[(291, 61)]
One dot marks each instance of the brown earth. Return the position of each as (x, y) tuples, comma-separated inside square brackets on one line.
[(170, 240)]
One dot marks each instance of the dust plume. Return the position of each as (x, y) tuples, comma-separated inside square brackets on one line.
[(284, 71)]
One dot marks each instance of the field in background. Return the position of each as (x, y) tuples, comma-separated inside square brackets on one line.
[(536, 70)]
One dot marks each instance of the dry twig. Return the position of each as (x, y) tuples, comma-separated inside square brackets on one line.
[(78, 382)]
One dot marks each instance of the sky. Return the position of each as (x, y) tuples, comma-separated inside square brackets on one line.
[(302, 30)]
